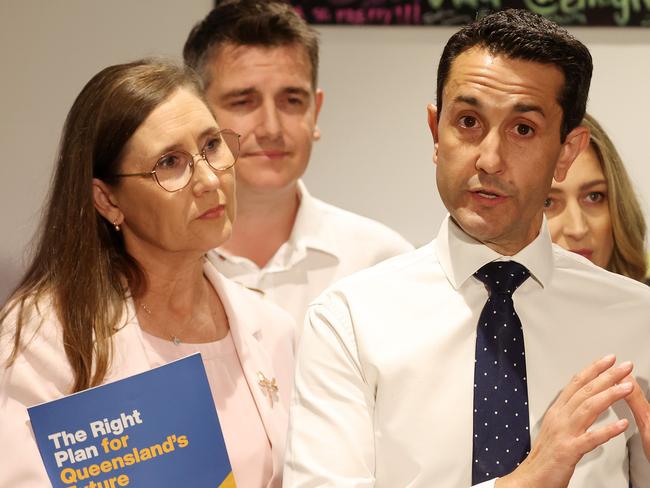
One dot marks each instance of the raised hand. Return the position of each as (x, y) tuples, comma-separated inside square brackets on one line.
[(564, 436)]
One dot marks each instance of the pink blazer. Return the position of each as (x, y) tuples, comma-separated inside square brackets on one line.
[(262, 334)]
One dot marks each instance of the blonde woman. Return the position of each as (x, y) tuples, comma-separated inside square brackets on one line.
[(595, 212)]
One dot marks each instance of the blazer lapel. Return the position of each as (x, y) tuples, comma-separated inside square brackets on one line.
[(256, 364)]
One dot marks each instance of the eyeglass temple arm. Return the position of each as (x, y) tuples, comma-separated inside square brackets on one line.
[(147, 173)]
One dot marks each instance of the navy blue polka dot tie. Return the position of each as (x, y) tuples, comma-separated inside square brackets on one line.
[(501, 431)]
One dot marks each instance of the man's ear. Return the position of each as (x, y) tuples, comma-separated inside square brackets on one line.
[(432, 118), (576, 141), (319, 103), (105, 202)]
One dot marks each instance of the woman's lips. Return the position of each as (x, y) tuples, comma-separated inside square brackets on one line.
[(213, 213)]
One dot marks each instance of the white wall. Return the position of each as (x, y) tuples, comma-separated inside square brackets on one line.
[(375, 154)]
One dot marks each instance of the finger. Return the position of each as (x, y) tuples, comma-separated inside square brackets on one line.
[(602, 382), (587, 413), (638, 404), (590, 440), (585, 376)]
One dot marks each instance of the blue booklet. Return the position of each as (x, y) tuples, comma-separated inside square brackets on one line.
[(158, 428)]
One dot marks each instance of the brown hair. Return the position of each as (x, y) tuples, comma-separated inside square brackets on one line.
[(80, 262), (628, 225), (267, 23)]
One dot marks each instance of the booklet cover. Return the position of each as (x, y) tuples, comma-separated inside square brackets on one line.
[(154, 429)]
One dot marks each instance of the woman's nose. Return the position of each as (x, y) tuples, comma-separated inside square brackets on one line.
[(575, 225), (205, 177)]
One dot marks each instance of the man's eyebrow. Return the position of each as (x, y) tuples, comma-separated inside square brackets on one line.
[(468, 100), (527, 107), (296, 90), (243, 92), (239, 92), (519, 107)]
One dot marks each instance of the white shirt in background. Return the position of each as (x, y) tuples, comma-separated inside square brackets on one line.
[(384, 379), (326, 244)]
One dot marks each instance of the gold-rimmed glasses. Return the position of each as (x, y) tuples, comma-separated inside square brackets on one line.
[(173, 170)]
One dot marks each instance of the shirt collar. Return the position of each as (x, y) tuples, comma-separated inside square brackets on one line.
[(309, 230), (461, 256)]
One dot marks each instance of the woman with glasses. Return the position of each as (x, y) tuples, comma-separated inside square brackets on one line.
[(144, 186)]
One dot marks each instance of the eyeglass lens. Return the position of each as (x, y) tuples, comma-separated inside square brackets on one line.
[(174, 170)]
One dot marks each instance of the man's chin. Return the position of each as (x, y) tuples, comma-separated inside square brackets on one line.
[(497, 231), (475, 225), (269, 184)]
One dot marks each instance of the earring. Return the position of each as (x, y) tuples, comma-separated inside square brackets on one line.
[(116, 225)]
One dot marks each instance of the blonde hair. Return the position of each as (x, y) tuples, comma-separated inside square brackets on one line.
[(628, 224)]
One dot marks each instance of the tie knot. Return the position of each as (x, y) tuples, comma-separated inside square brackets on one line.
[(502, 277)]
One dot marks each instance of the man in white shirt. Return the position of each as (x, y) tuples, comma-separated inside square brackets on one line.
[(259, 62), (388, 367)]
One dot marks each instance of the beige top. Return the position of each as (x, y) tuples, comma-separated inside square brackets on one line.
[(246, 441)]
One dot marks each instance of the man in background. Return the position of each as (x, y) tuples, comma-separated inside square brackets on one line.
[(259, 63)]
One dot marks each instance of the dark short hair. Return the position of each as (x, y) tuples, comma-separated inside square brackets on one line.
[(266, 23), (521, 34)]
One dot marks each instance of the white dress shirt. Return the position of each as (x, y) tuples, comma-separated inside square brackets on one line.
[(384, 379), (326, 244)]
